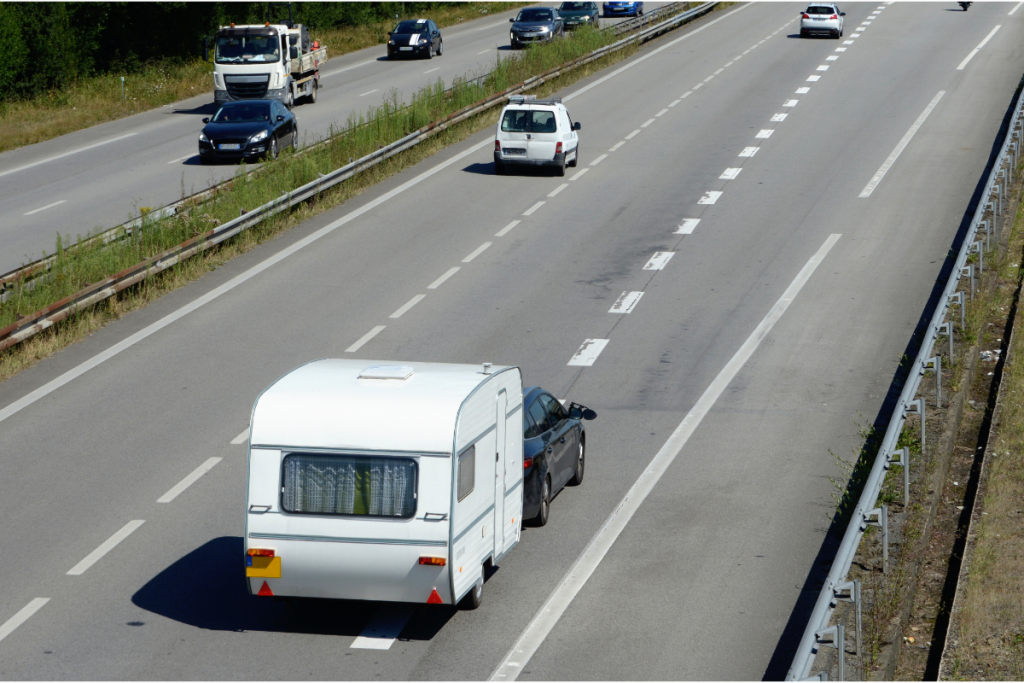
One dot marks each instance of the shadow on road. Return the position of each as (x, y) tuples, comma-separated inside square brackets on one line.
[(208, 108), (206, 589)]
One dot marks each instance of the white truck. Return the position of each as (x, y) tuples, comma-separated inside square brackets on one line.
[(269, 61)]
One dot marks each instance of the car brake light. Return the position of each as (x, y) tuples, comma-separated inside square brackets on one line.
[(806, 16), (436, 561), (497, 145), (558, 148), (261, 552), (527, 463), (834, 16)]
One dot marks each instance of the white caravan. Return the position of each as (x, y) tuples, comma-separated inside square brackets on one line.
[(373, 480)]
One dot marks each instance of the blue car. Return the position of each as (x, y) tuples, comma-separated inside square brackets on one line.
[(623, 9), (554, 450)]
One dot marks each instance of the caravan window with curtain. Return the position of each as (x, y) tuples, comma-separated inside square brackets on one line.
[(320, 484)]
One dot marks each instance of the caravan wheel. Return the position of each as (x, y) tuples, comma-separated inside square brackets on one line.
[(475, 596)]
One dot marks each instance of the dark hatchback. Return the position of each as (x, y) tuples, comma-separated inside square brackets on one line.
[(554, 450), (576, 14), (248, 130), (415, 38), (535, 25)]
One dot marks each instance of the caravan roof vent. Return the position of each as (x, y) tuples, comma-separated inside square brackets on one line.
[(386, 372)]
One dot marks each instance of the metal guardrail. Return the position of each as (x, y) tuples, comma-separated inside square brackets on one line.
[(837, 588), (43, 264), (35, 323)]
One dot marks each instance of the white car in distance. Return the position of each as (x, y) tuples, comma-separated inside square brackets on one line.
[(822, 19), (534, 132)]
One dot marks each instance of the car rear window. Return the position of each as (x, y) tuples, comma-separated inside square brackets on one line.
[(820, 10), (319, 484)]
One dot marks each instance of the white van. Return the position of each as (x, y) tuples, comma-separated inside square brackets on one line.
[(373, 480), (534, 132)]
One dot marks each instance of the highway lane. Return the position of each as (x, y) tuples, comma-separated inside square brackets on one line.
[(666, 601), (150, 159)]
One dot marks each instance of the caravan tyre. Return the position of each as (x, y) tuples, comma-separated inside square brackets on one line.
[(475, 596)]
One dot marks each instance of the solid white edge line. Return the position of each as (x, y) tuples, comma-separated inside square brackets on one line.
[(44, 208), (407, 305), (534, 635), (187, 156), (105, 547), (476, 252), (440, 281), (65, 154), (241, 438), (365, 338), (978, 49), (369, 92), (239, 279), (189, 480), (436, 68), (23, 615), (884, 168)]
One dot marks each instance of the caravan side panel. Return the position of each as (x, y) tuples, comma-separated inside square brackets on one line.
[(512, 382)]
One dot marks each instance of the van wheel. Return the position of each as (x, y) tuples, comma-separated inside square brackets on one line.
[(545, 503), (575, 158), (560, 170), (581, 461), (475, 596)]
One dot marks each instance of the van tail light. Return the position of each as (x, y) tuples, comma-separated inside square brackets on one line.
[(558, 148), (806, 16), (261, 552), (435, 561), (497, 145), (527, 463)]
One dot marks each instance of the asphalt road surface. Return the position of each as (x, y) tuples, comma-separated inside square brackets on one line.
[(763, 333), (100, 177)]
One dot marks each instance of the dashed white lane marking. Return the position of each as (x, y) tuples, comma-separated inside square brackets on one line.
[(479, 250), (728, 64), (832, 58), (749, 151), (790, 103), (978, 49), (241, 438), (847, 42), (369, 92), (779, 117), (843, 49), (508, 228), (686, 94), (383, 629), (633, 134), (675, 102), (23, 615), (187, 156), (588, 352), (662, 112), (646, 123), (736, 58), (65, 154), (865, 23), (618, 144), (719, 71), (105, 547), (854, 35), (410, 303), (451, 271), (803, 91), (558, 189), (813, 79), (432, 70), (710, 197), (348, 68), (858, 29), (598, 160), (626, 303), (365, 338), (822, 67), (529, 212), (1015, 8), (698, 86), (44, 208), (483, 52), (189, 480), (578, 174), (730, 174), (540, 627), (687, 226), (709, 78), (659, 260), (873, 183), (765, 133)]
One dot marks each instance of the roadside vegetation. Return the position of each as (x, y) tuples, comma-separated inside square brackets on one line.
[(81, 99)]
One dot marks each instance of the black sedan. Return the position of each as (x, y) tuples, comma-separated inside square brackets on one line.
[(576, 14), (415, 38), (535, 25), (250, 130), (554, 450)]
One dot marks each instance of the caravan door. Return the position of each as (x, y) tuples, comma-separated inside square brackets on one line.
[(499, 474)]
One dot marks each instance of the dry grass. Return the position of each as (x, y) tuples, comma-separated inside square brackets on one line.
[(97, 99)]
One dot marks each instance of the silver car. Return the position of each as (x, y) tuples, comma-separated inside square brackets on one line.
[(822, 19)]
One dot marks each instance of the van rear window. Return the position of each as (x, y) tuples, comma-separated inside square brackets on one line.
[(319, 484)]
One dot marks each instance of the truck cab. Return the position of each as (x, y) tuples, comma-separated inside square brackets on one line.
[(269, 61)]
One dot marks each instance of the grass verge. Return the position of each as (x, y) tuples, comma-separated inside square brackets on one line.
[(98, 99)]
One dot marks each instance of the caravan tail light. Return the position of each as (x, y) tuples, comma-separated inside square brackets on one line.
[(435, 561), (527, 463), (558, 148), (261, 552)]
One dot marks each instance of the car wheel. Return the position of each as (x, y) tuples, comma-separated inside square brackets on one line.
[(803, 33), (430, 52), (440, 47), (475, 597), (560, 170), (545, 503), (273, 148), (576, 158), (577, 476), (295, 137)]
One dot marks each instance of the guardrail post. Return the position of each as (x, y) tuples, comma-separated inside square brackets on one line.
[(947, 329), (838, 642), (882, 522), (998, 201), (849, 591), (936, 362), (918, 405), (959, 298), (969, 271), (902, 457), (988, 234)]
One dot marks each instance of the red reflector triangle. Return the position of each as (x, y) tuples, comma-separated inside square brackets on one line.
[(265, 591), (434, 598)]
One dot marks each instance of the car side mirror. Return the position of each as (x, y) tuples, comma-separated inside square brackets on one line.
[(842, 14), (389, 33), (294, 52), (576, 126), (578, 412), (280, 117), (206, 120), (511, 21)]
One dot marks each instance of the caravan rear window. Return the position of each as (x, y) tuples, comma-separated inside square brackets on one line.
[(320, 484)]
